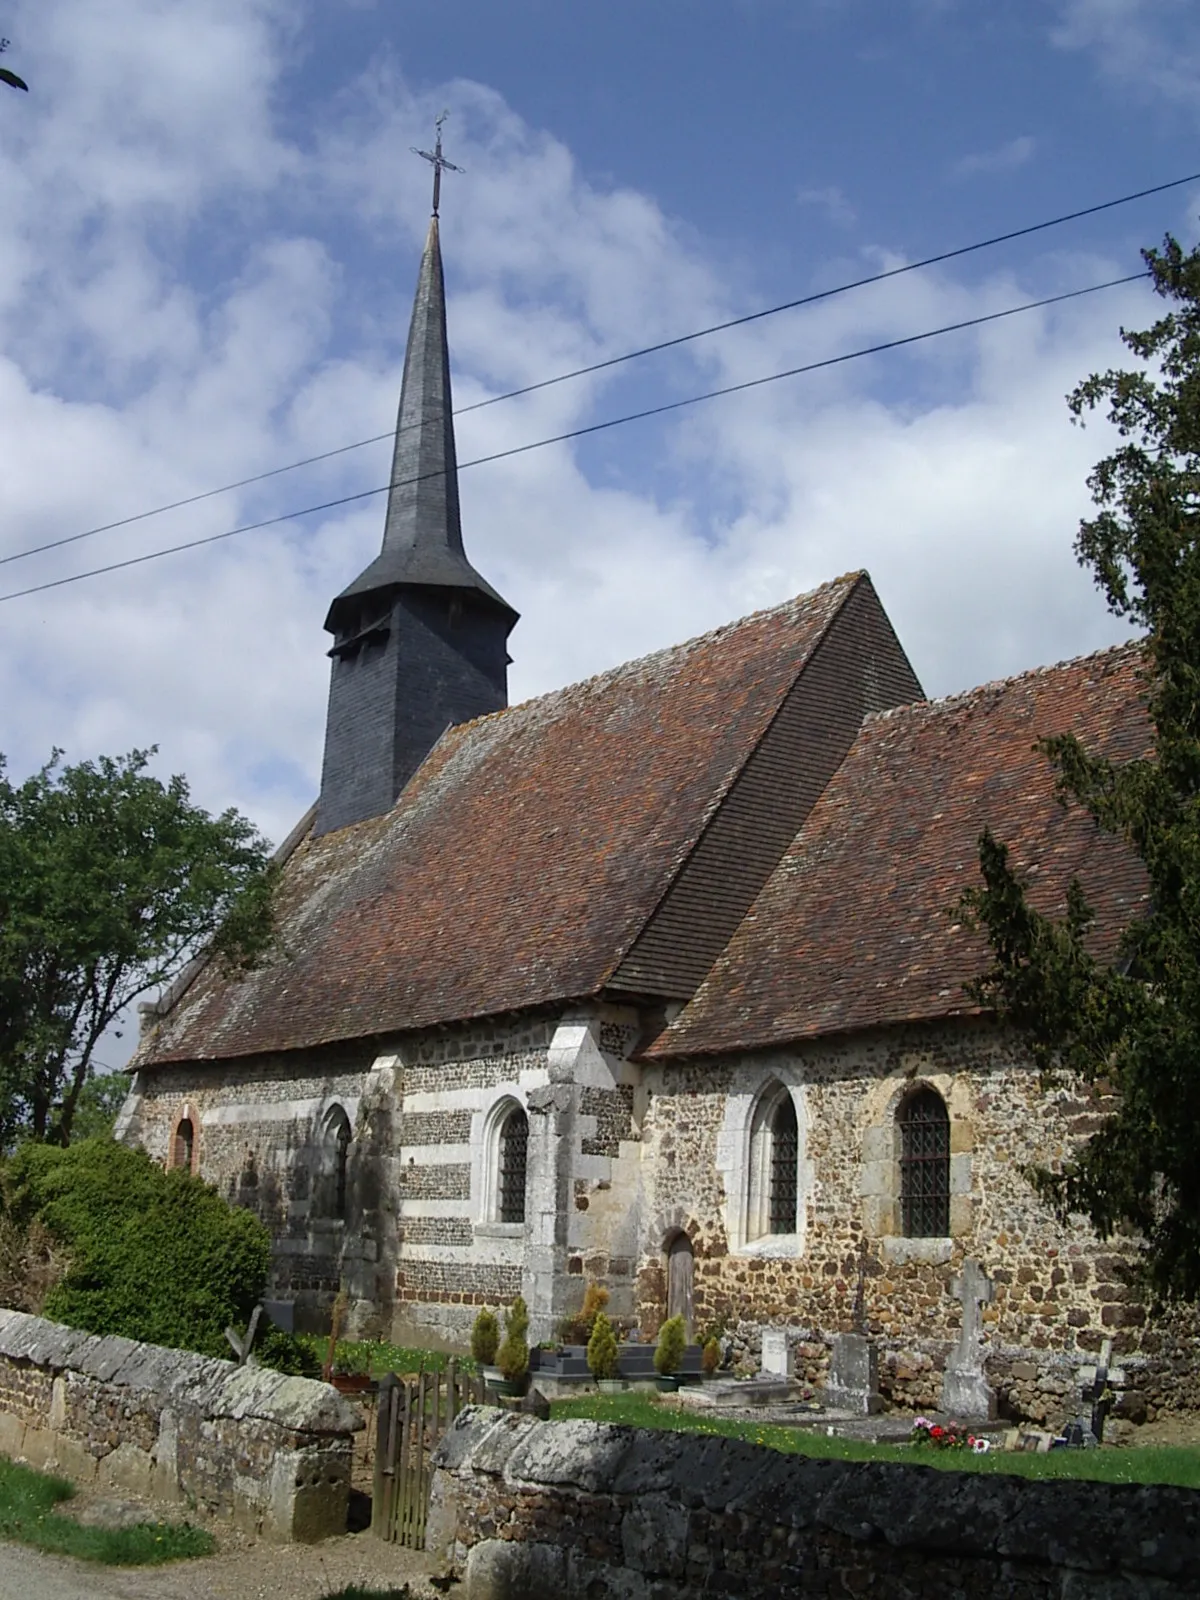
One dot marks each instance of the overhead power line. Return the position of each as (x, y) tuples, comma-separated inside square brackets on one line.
[(616, 361), (581, 432)]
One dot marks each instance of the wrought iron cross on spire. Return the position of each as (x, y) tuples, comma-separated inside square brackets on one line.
[(438, 162)]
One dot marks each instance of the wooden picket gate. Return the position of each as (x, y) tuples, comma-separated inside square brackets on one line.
[(413, 1415)]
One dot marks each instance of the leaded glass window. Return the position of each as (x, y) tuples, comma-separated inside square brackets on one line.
[(510, 1174), (924, 1165), (784, 1153)]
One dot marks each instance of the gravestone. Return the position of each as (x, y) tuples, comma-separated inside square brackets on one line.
[(776, 1359), (853, 1376), (966, 1393), (1099, 1385)]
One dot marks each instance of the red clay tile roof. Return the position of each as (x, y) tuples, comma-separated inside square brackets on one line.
[(855, 928), (521, 860)]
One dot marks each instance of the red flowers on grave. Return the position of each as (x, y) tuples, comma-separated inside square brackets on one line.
[(951, 1437)]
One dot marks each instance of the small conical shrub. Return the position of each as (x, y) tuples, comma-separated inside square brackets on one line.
[(513, 1356), (602, 1348), (672, 1342), (485, 1337)]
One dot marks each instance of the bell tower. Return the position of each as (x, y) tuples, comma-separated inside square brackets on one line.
[(420, 639)]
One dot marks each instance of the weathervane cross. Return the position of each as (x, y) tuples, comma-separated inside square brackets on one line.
[(438, 162)]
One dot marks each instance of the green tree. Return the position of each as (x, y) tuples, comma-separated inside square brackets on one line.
[(100, 1101), (110, 882), (8, 76), (1130, 1024)]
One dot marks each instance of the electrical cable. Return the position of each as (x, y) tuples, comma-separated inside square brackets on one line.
[(614, 361), (581, 432)]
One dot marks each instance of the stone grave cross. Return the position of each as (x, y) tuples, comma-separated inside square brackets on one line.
[(974, 1288), (1099, 1382), (965, 1390), (242, 1346)]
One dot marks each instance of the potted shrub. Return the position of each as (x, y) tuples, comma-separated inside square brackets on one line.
[(485, 1340), (602, 1355), (668, 1353), (710, 1355), (513, 1356)]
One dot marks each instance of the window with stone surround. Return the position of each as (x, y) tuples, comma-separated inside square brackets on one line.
[(512, 1143), (181, 1147), (923, 1124), (336, 1135), (772, 1202)]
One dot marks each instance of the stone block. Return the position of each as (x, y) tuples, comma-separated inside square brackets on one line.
[(584, 1455), (309, 1495), (967, 1396), (12, 1435), (654, 1536), (503, 1569), (128, 1469), (104, 1358)]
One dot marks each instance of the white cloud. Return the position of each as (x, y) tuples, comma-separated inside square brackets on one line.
[(1006, 158), (832, 201), (1150, 47), (187, 297)]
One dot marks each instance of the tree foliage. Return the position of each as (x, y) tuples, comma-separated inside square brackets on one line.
[(110, 881), (149, 1254), (1131, 1025)]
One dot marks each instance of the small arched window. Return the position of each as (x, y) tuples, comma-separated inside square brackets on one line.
[(924, 1127), (183, 1146), (512, 1144), (336, 1162), (773, 1201)]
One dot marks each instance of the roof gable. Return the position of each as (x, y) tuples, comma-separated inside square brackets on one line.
[(855, 928), (522, 859)]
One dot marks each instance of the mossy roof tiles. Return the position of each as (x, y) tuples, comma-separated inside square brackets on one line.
[(521, 860), (856, 926)]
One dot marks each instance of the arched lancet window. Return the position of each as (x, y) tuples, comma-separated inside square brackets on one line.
[(924, 1126), (511, 1140), (773, 1201), (183, 1145), (337, 1159)]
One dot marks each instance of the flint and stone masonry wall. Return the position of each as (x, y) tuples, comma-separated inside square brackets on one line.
[(528, 1510), (271, 1454), (1059, 1290)]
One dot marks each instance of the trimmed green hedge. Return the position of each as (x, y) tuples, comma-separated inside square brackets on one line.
[(153, 1255)]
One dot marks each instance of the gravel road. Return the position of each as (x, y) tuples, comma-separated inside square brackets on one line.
[(252, 1572)]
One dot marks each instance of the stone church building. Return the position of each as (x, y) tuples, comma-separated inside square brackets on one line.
[(654, 980)]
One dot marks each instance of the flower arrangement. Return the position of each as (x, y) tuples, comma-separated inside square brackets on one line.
[(952, 1436)]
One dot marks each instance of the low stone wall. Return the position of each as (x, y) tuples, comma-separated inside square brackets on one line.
[(269, 1453), (526, 1510)]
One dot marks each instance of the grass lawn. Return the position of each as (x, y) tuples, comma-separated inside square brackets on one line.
[(377, 1356), (29, 1514), (1149, 1465)]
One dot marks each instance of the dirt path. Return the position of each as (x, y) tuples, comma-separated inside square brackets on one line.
[(251, 1572)]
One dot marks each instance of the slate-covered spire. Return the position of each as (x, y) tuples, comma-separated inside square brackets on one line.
[(422, 537), (420, 638)]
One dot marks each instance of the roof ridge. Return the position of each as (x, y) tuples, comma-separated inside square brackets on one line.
[(661, 654), (948, 701)]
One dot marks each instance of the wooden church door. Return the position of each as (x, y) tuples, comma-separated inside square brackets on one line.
[(680, 1272)]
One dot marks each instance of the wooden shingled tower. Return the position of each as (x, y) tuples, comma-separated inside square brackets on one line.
[(420, 639)]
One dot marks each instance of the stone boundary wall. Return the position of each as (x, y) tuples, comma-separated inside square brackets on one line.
[(270, 1453), (528, 1510)]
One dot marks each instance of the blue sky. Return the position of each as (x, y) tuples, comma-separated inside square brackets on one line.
[(212, 225)]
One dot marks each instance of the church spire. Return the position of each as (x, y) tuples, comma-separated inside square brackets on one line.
[(422, 537), (420, 638)]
